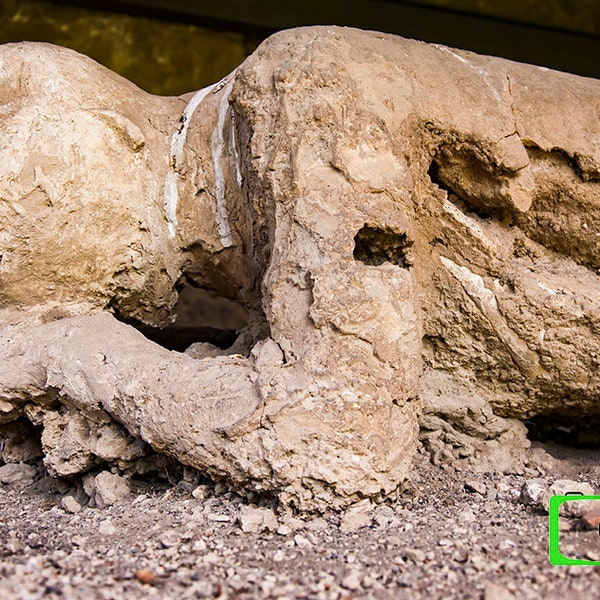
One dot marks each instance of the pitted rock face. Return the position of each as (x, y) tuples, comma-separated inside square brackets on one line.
[(377, 205)]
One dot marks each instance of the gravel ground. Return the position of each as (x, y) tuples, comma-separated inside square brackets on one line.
[(450, 534)]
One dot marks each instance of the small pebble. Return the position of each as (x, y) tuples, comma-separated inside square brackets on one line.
[(70, 504), (107, 528), (476, 486), (145, 576), (256, 520), (302, 542), (168, 539), (354, 520), (415, 555), (352, 581)]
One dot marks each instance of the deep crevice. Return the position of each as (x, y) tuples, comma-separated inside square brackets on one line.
[(199, 317), (560, 430), (461, 200)]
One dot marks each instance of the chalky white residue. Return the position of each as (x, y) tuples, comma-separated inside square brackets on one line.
[(171, 198), (217, 145), (176, 156), (480, 70)]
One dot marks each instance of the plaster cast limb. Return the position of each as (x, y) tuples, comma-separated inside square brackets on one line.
[(106, 369), (323, 430)]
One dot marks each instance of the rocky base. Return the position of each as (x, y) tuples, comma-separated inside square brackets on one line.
[(453, 534)]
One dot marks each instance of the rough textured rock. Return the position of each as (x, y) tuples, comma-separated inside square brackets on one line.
[(106, 489), (19, 474), (457, 425), (535, 493), (256, 520), (376, 205)]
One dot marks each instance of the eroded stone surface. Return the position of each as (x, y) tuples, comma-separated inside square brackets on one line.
[(376, 205)]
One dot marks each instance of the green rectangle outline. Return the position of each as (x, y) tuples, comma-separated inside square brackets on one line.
[(556, 558)]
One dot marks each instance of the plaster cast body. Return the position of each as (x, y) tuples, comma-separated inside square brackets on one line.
[(379, 206)]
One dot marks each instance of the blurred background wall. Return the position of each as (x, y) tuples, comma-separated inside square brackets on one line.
[(175, 46)]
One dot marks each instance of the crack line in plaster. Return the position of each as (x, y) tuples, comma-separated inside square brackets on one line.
[(234, 152), (479, 70), (217, 145), (512, 106), (171, 197)]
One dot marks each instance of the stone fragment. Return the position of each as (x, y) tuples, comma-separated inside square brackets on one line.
[(415, 555), (284, 529), (494, 591), (564, 487), (89, 484), (201, 492), (317, 524), (294, 523), (460, 555), (476, 486), (218, 517), (168, 539), (355, 519), (352, 581), (110, 489), (536, 493), (533, 492), (71, 504), (591, 517), (542, 460), (573, 508), (384, 515), (146, 576), (107, 527), (302, 542), (17, 474), (278, 555), (256, 520)]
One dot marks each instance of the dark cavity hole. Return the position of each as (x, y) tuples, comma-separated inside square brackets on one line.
[(199, 317), (20, 441), (374, 246), (469, 206), (562, 431)]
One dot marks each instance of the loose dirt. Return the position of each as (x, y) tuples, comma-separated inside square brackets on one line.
[(450, 534)]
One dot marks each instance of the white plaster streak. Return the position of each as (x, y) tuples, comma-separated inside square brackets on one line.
[(178, 139), (171, 198), (479, 70), (470, 224), (547, 288), (485, 300), (217, 146)]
